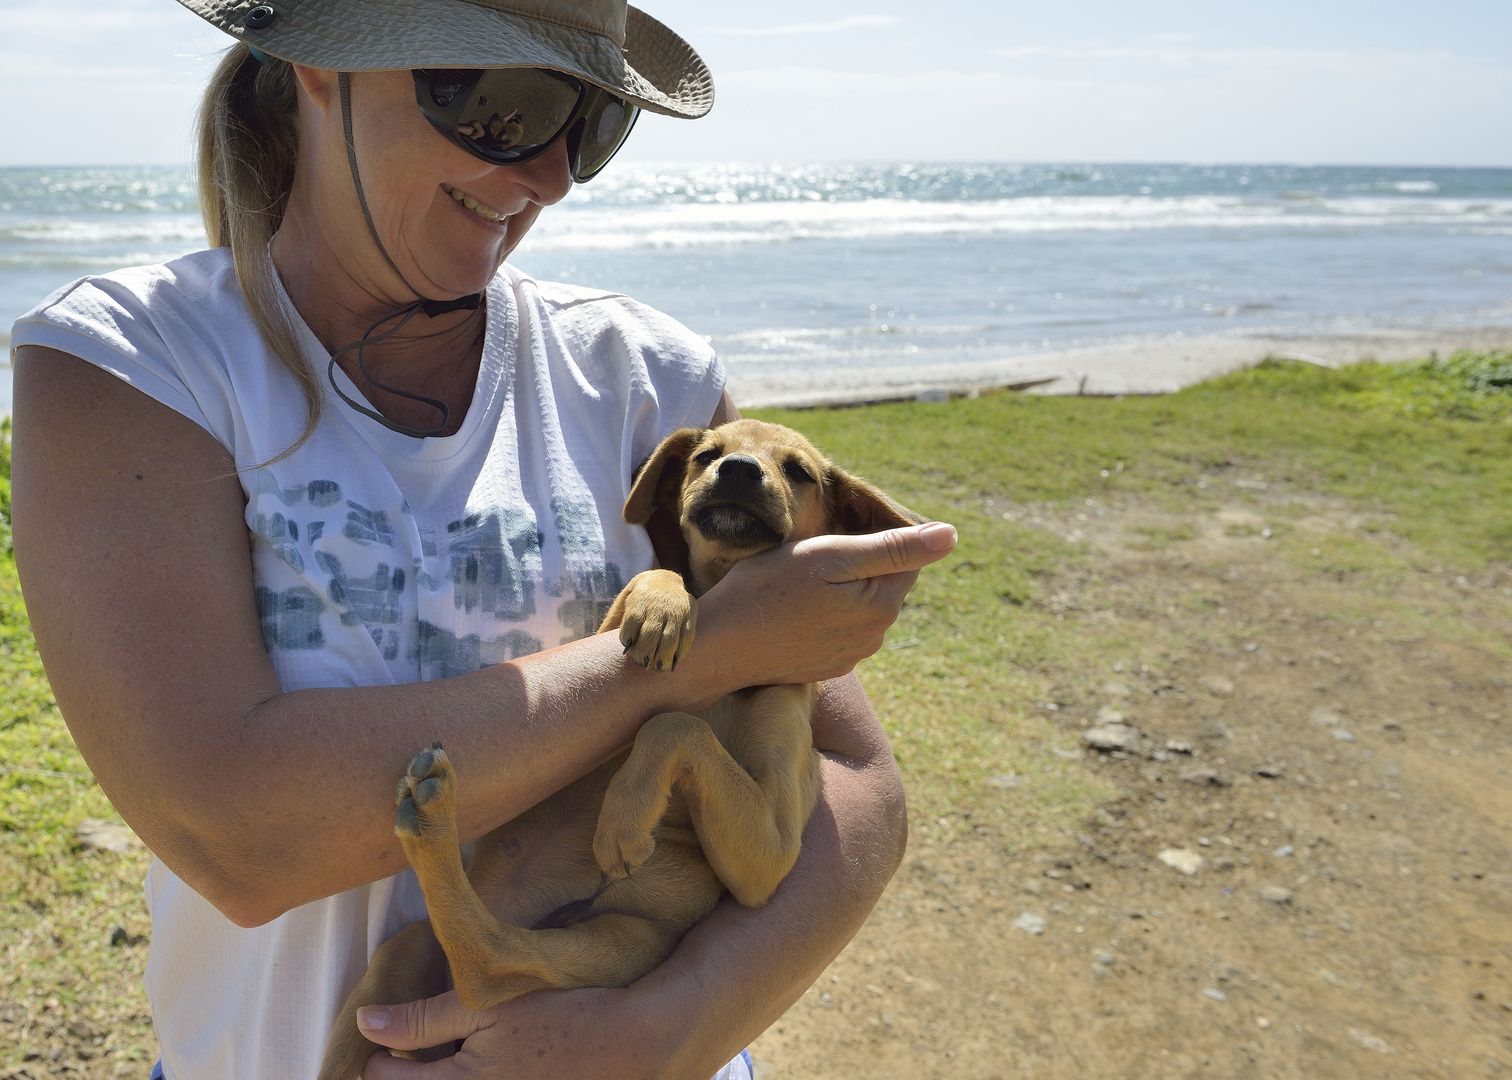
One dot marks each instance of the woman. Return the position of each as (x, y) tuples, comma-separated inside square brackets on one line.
[(428, 451)]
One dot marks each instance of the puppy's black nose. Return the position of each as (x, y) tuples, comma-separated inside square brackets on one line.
[(740, 471)]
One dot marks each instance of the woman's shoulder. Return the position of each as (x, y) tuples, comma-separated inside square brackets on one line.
[(125, 304)]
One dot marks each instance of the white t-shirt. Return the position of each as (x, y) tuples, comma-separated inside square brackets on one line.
[(381, 559)]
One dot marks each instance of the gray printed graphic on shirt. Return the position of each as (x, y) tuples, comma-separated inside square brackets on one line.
[(368, 526), (443, 654), (290, 619), (375, 600), (488, 572), (282, 535)]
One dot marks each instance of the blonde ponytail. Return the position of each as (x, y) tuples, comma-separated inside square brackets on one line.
[(248, 144)]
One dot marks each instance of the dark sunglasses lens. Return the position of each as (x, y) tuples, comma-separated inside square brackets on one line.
[(512, 113), (605, 129)]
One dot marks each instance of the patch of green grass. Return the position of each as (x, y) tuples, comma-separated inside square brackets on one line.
[(961, 700)]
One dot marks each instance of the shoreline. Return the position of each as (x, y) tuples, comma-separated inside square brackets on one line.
[(1159, 366), (1151, 366)]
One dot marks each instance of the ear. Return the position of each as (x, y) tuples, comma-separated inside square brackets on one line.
[(858, 507), (658, 479)]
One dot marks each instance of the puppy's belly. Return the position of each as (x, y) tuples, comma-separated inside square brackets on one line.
[(531, 866)]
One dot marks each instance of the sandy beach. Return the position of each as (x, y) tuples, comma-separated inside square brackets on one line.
[(1160, 366)]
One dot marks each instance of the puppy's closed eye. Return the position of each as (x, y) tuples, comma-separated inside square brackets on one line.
[(797, 473)]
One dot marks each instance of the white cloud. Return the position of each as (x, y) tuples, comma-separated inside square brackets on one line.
[(850, 22)]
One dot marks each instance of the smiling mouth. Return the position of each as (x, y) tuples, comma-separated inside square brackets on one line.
[(472, 205)]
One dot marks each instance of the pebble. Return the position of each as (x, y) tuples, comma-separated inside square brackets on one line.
[(1343, 736), (1218, 685), (119, 936), (1109, 715), (1067, 755), (1115, 689), (1182, 859), (1176, 746), (1283, 851), (1030, 923), (1325, 716), (1004, 781), (1106, 959), (1271, 772), (1100, 971), (1275, 894), (1205, 776), (97, 835), (1112, 737), (1262, 1023), (1215, 994)]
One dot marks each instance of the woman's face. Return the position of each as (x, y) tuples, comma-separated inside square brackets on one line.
[(447, 218)]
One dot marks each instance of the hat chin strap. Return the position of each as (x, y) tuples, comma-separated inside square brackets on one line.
[(432, 308)]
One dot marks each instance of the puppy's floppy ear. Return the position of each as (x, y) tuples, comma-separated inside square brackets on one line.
[(658, 479), (856, 506)]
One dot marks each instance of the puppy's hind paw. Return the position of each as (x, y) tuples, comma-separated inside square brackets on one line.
[(425, 797)]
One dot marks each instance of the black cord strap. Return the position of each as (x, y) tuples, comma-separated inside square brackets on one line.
[(432, 308)]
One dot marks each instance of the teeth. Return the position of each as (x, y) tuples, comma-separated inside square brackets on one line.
[(471, 204)]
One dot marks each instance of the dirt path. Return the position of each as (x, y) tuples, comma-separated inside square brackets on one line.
[(1349, 751)]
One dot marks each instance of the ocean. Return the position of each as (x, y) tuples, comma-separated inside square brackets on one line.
[(842, 268)]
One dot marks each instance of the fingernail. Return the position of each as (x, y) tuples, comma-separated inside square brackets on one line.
[(938, 536), (373, 1018)]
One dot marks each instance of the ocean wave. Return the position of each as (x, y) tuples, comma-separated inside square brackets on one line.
[(699, 224), (157, 229)]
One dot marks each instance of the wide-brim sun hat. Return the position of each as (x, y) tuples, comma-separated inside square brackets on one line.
[(604, 42)]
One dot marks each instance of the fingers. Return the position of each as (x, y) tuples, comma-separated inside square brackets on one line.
[(874, 555), (418, 1025)]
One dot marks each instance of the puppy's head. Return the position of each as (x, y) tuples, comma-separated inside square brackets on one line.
[(748, 486)]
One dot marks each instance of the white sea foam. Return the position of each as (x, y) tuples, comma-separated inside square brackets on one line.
[(176, 229), (683, 224)]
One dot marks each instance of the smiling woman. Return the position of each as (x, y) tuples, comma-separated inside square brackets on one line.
[(347, 483)]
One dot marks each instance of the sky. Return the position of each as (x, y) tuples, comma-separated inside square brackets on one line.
[(1297, 81)]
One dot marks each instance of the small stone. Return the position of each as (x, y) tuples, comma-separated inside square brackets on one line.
[(1205, 776), (119, 936), (1344, 736), (1004, 781), (1325, 716), (1176, 746), (1262, 1023), (1182, 859), (1112, 737), (1106, 959), (1215, 994), (1224, 863), (1218, 685), (1283, 851), (1115, 690), (1275, 894), (1271, 772), (1066, 755), (1109, 715), (1100, 971), (1030, 923), (1252, 647), (97, 835)]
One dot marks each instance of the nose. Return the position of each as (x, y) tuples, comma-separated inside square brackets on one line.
[(547, 176), (740, 471)]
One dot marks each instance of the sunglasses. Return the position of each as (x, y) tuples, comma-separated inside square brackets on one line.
[(507, 116)]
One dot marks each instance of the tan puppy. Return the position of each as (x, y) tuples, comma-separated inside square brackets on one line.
[(597, 884)]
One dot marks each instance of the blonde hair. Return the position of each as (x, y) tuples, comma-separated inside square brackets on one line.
[(248, 143)]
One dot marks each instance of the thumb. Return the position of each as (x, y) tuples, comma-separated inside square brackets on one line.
[(419, 1025), (893, 551)]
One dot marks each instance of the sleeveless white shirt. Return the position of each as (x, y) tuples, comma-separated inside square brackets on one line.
[(381, 559)]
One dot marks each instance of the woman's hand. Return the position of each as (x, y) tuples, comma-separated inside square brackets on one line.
[(811, 611), (550, 1033)]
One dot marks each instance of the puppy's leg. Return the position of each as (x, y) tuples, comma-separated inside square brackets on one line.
[(493, 962), (656, 617), (407, 967), (749, 822)]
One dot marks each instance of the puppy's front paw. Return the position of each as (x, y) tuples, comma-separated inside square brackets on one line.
[(621, 844), (659, 621), (426, 798)]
